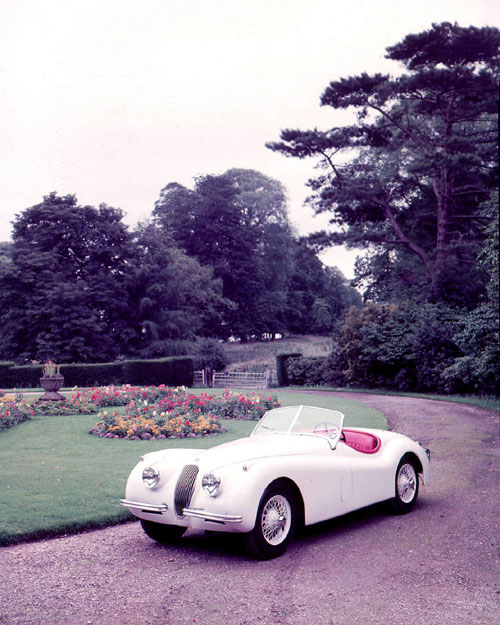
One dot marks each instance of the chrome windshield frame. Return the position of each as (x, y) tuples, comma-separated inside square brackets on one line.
[(335, 417)]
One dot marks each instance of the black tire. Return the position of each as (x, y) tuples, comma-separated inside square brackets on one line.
[(162, 533), (406, 485), (274, 524)]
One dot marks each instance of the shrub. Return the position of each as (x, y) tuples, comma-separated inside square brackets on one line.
[(210, 354), (165, 348), (281, 367), (60, 408), (307, 371), (402, 347)]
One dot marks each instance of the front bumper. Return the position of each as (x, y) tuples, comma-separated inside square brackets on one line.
[(186, 512)]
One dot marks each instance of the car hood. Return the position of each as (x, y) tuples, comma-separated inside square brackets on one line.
[(262, 446)]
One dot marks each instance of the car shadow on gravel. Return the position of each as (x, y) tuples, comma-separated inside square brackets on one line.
[(209, 545), (205, 545)]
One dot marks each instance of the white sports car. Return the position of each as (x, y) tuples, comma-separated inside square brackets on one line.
[(299, 466)]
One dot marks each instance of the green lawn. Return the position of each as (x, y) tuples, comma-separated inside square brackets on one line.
[(56, 478)]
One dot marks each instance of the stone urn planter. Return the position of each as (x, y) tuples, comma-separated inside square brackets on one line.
[(51, 381)]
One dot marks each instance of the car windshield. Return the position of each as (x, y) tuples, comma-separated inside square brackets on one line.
[(302, 420)]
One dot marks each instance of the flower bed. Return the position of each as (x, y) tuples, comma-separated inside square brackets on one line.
[(152, 411), (120, 395), (13, 410), (175, 413)]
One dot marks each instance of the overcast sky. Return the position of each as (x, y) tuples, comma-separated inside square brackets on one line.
[(113, 99)]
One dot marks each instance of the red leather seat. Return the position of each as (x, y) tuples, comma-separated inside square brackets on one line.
[(364, 442)]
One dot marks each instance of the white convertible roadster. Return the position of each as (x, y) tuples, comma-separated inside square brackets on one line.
[(299, 466)]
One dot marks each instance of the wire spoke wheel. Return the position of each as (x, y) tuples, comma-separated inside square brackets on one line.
[(407, 483), (274, 523), (276, 519)]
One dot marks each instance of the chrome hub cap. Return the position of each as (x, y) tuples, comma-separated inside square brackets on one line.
[(407, 483), (276, 519)]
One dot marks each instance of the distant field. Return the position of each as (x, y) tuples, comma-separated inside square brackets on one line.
[(256, 355)]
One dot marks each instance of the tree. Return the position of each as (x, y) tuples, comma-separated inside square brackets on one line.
[(406, 180), (318, 296), (171, 294), (237, 224), (477, 332), (64, 295)]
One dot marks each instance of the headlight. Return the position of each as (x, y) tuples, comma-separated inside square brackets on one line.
[(211, 484), (150, 477)]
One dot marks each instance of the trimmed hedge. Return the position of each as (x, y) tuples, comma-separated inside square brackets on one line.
[(100, 374), (24, 376), (169, 371), (281, 367)]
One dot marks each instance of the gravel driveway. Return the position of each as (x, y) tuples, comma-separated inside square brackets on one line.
[(438, 565)]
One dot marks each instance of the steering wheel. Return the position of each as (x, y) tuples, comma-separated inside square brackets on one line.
[(326, 427)]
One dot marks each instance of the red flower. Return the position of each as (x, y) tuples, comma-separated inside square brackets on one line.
[(187, 423)]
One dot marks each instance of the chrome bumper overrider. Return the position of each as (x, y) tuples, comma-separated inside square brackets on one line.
[(190, 512), (145, 507), (216, 518)]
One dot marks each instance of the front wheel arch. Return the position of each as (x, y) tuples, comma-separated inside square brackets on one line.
[(299, 501), (406, 484), (270, 537)]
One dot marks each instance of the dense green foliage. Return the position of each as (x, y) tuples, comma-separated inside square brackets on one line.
[(407, 179), (211, 355), (425, 348), (413, 181), (237, 224), (76, 285)]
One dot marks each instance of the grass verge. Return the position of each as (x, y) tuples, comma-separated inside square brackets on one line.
[(489, 403), (59, 479)]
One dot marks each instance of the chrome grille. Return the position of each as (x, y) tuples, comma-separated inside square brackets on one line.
[(184, 488)]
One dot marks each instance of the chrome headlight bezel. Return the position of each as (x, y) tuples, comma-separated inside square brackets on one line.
[(151, 477), (211, 484)]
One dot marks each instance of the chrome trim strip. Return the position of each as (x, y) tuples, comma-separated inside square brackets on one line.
[(145, 507), (209, 516)]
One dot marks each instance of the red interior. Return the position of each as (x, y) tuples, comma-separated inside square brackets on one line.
[(362, 441)]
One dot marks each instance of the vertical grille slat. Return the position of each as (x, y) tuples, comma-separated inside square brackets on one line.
[(184, 488)]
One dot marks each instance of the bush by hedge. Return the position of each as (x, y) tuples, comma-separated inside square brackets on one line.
[(281, 367), (307, 371)]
